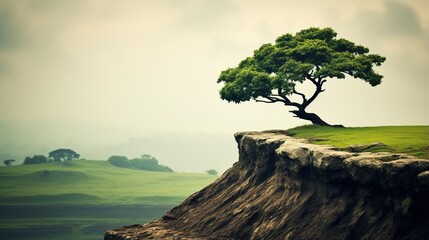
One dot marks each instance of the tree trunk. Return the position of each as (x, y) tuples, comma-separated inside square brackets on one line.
[(312, 117)]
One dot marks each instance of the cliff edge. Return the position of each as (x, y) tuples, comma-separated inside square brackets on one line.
[(286, 188)]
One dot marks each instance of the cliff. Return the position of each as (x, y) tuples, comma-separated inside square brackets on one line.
[(285, 188)]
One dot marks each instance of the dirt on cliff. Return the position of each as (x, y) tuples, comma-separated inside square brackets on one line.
[(283, 188)]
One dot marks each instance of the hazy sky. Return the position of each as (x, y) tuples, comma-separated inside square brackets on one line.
[(125, 68)]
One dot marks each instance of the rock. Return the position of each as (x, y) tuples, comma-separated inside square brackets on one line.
[(286, 188), (423, 178), (361, 147)]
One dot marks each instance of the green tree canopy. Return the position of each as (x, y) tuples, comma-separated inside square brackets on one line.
[(63, 155), (36, 159), (314, 55), (149, 163), (145, 162), (120, 161), (212, 172), (8, 162)]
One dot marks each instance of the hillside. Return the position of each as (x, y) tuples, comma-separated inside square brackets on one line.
[(286, 188), (81, 199), (94, 182)]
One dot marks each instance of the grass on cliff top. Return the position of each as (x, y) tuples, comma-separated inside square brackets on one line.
[(412, 140)]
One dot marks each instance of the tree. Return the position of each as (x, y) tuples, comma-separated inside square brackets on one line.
[(36, 159), (212, 172), (8, 162), (120, 161), (149, 163), (312, 55), (63, 155)]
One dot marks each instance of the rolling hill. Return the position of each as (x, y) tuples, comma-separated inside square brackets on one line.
[(81, 199)]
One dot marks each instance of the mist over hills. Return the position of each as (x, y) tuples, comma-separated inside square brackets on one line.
[(180, 151), (183, 152)]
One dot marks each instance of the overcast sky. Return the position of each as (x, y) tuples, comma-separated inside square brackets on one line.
[(126, 68)]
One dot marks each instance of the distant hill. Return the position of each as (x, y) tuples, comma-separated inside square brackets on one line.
[(82, 199), (180, 151), (94, 181)]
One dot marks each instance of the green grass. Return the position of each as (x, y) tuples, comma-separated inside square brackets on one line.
[(412, 140), (82, 199), (94, 182), (68, 222)]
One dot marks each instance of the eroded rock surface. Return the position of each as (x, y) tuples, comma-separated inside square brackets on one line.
[(286, 188)]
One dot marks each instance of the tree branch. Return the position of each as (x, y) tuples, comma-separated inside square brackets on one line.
[(312, 79), (321, 84), (300, 94), (263, 101), (283, 99), (287, 101), (318, 90), (270, 100)]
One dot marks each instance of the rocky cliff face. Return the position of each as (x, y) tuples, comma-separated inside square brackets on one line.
[(284, 188)]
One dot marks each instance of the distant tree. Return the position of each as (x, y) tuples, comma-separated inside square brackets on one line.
[(149, 163), (63, 155), (312, 56), (36, 159), (212, 172), (120, 161), (8, 162)]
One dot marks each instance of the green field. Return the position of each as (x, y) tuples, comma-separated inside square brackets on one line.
[(81, 199), (412, 140)]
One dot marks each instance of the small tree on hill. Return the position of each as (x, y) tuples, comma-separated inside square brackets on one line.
[(212, 172), (8, 162), (149, 163), (36, 159), (120, 161), (312, 55), (63, 155)]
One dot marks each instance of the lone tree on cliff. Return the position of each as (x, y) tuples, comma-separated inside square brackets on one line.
[(314, 55)]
